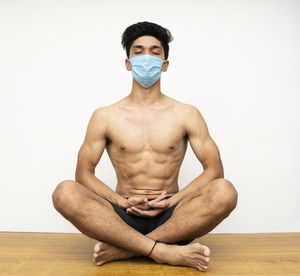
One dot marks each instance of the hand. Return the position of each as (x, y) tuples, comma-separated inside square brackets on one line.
[(155, 207), (138, 202)]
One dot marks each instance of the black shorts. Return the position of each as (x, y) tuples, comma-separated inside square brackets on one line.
[(146, 225)]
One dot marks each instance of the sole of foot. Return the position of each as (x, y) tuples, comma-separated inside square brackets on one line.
[(105, 252)]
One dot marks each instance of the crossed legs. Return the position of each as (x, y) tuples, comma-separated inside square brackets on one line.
[(193, 217)]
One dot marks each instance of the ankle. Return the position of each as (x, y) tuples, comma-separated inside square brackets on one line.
[(160, 252), (155, 243)]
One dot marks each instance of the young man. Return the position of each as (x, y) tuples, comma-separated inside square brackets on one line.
[(146, 135)]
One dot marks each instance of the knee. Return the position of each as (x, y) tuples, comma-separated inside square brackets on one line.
[(223, 195), (63, 194)]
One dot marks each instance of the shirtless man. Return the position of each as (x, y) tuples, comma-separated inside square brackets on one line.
[(146, 135)]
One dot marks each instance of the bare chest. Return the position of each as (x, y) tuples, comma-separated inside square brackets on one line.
[(156, 131)]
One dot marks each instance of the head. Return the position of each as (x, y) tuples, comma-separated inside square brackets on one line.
[(145, 38), (145, 28)]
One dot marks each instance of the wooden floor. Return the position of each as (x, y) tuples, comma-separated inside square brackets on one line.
[(70, 254)]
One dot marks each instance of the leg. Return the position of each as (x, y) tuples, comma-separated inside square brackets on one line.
[(210, 206), (94, 217), (198, 214), (89, 213)]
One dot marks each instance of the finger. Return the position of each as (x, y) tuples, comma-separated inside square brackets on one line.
[(160, 204), (132, 212), (142, 207), (136, 200), (142, 213), (160, 197), (141, 204), (139, 200), (137, 212)]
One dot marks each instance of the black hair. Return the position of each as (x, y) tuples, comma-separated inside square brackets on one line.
[(146, 28)]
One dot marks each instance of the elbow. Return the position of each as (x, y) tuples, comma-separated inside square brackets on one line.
[(82, 172), (217, 172), (77, 178), (80, 176), (220, 172), (220, 175)]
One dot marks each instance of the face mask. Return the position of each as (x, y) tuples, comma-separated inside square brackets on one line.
[(146, 69)]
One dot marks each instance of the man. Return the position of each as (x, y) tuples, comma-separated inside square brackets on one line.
[(146, 135)]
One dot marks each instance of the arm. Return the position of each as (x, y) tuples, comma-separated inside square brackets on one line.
[(205, 150), (89, 156)]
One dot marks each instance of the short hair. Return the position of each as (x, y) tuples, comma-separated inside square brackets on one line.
[(146, 28)]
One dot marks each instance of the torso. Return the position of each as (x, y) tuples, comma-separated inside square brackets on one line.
[(146, 146)]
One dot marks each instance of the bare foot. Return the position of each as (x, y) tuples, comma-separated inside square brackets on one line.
[(105, 252), (193, 254)]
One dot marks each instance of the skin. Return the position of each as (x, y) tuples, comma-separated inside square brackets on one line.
[(146, 135)]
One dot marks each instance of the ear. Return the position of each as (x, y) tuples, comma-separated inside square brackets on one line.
[(128, 64), (165, 66)]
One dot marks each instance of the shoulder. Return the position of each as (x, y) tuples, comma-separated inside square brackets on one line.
[(187, 112), (99, 119), (192, 113), (108, 111), (100, 112), (103, 113), (191, 118), (186, 108)]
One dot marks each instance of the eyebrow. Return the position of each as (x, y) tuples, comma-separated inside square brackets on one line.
[(142, 47)]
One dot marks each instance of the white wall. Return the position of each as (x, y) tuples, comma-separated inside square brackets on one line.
[(237, 61)]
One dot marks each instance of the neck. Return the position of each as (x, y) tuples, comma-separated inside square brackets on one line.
[(145, 96)]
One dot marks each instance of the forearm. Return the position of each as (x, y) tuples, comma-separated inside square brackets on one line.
[(205, 177), (90, 181)]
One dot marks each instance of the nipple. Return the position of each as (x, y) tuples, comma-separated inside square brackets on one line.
[(122, 147), (171, 146)]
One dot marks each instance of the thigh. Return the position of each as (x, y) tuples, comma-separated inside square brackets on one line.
[(164, 217), (215, 194), (74, 189), (201, 192)]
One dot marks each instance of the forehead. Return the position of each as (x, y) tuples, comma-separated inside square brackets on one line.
[(146, 41)]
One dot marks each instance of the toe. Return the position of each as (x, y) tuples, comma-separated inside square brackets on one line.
[(203, 262), (97, 247), (202, 268), (100, 263), (95, 255), (98, 257), (203, 259), (206, 251)]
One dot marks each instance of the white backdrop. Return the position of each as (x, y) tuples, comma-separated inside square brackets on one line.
[(236, 61)]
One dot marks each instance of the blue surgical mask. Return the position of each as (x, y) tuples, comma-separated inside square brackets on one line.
[(146, 69)]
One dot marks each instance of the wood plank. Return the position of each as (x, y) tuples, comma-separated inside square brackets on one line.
[(71, 254)]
